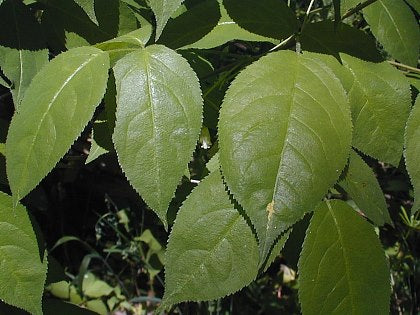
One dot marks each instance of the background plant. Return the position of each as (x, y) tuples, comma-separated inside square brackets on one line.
[(307, 122)]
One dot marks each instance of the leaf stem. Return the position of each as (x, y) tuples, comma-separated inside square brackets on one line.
[(284, 42), (357, 8), (401, 65)]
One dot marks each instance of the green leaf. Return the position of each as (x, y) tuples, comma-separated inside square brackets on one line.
[(22, 273), (95, 288), (122, 45), (412, 152), (163, 9), (95, 151), (159, 112), (271, 18), (127, 20), (380, 103), (211, 251), (415, 4), (363, 187), (179, 31), (395, 27), (342, 267), (225, 31), (325, 37), (57, 106), (284, 139), (20, 66), (275, 252), (89, 7)]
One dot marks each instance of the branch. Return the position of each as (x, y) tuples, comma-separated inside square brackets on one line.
[(401, 65)]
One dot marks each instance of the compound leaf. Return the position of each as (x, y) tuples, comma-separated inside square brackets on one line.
[(363, 187), (380, 103), (159, 113), (271, 18), (22, 272), (342, 267), (284, 139), (211, 251), (163, 9), (412, 152), (57, 106), (395, 27)]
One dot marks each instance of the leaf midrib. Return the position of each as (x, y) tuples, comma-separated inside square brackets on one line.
[(50, 104)]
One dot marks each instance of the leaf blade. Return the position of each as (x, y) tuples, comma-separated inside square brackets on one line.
[(396, 28), (164, 83), (22, 273), (62, 89), (363, 187), (412, 152), (163, 9), (268, 132), (374, 94), (341, 261), (211, 250)]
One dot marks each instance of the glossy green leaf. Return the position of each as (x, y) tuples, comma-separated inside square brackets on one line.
[(271, 18), (284, 139), (342, 267), (412, 152), (122, 45), (325, 37), (380, 103), (22, 273), (57, 106), (163, 9), (363, 187), (395, 27), (159, 112), (89, 7), (211, 251), (20, 66), (178, 32), (225, 31)]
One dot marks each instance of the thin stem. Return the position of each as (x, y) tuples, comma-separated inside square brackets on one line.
[(357, 8), (307, 14), (283, 43), (401, 65)]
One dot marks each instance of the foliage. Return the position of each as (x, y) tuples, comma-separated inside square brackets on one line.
[(307, 125)]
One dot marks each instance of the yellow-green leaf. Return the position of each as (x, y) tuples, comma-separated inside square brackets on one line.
[(380, 101), (412, 152), (211, 251), (22, 272), (57, 106), (363, 187), (159, 113), (284, 138), (342, 267)]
